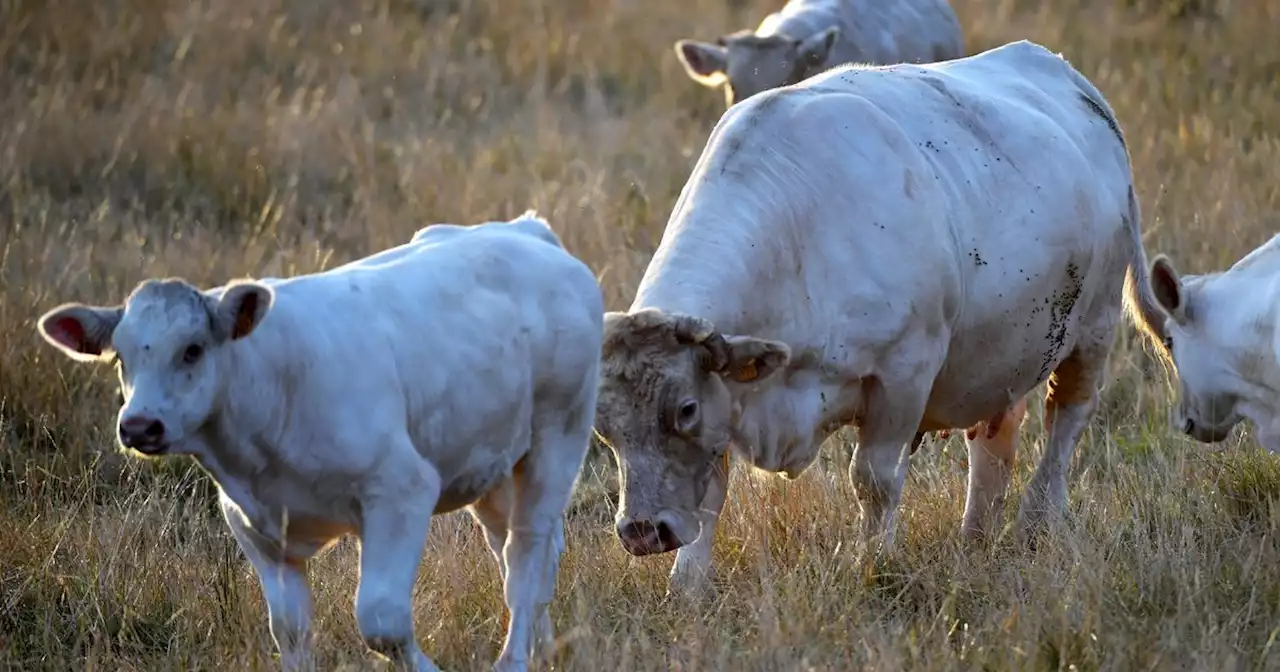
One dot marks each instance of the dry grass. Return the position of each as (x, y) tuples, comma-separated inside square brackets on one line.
[(216, 138)]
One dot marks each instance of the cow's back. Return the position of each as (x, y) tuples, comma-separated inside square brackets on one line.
[(1033, 173), (449, 338), (978, 191), (874, 32)]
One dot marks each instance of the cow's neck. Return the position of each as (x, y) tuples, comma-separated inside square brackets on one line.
[(780, 427), (234, 446), (746, 281)]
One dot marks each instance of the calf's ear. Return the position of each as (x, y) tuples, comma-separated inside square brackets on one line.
[(82, 332), (704, 63), (814, 50), (1166, 284), (751, 360), (242, 307)]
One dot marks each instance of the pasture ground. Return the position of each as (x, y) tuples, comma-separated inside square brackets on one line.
[(214, 139)]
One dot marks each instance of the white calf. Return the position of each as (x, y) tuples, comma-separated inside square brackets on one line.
[(456, 370)]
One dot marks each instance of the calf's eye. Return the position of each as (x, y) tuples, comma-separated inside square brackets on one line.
[(688, 409), (192, 354)]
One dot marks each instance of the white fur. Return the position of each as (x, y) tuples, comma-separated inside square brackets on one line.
[(873, 32), (860, 31), (458, 369), (1226, 347), (909, 232)]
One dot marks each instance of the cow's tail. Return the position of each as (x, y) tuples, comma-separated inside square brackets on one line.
[(1139, 299)]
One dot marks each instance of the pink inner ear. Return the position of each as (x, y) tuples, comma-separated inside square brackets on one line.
[(244, 316), (694, 55), (69, 332)]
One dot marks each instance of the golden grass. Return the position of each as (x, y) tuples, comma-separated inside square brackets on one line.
[(215, 138)]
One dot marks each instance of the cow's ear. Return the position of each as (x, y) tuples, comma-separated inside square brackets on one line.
[(243, 307), (1166, 284), (704, 63), (81, 332), (814, 50), (751, 360)]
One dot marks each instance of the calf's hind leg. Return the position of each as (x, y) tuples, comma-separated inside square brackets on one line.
[(493, 513), (542, 485)]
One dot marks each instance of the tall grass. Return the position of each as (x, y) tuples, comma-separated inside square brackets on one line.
[(213, 139)]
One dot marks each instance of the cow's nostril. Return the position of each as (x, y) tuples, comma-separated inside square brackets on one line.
[(154, 430), (1188, 426), (667, 538), (135, 432), (636, 531)]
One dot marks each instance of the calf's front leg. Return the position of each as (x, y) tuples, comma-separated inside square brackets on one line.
[(284, 588), (396, 521)]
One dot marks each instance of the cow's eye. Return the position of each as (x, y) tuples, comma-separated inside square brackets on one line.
[(688, 410), (192, 354), (1168, 343)]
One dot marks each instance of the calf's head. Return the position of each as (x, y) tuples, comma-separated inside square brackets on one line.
[(746, 64), (166, 341), (1206, 343), (666, 409)]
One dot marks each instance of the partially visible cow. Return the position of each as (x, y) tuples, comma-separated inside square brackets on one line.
[(903, 249), (806, 37), (1223, 338), (456, 370)]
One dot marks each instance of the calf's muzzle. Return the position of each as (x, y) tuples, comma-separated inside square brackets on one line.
[(143, 434)]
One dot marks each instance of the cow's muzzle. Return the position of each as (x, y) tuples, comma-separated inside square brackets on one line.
[(1205, 434), (647, 537)]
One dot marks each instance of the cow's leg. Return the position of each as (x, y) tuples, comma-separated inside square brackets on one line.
[(993, 447), (1071, 399), (396, 521), (543, 483), (691, 574), (493, 512), (284, 589), (893, 408)]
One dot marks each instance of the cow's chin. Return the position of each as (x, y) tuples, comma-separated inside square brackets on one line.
[(154, 450)]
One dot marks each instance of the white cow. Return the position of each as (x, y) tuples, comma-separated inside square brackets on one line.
[(1222, 336), (456, 370), (903, 249), (806, 37)]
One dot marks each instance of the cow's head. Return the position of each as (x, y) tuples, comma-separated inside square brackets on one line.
[(166, 342), (746, 64), (665, 408), (1207, 345)]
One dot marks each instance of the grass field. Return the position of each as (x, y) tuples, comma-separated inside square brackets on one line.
[(216, 138)]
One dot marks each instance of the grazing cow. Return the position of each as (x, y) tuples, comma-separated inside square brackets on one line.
[(1222, 338), (806, 37), (456, 370), (903, 249)]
